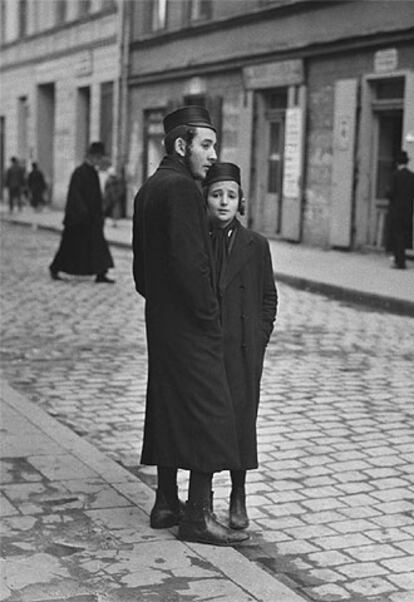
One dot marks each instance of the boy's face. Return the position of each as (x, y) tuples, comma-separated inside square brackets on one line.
[(201, 154), (223, 202)]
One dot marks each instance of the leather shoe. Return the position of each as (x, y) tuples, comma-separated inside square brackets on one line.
[(104, 278), (238, 512), (163, 515), (199, 525), (54, 275)]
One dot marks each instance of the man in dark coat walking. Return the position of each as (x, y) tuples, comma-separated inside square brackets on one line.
[(401, 195), (190, 420), (83, 249)]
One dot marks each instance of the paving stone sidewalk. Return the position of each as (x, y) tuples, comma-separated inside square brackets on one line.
[(75, 527)]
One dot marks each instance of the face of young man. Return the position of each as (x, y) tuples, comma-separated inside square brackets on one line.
[(223, 202), (201, 154)]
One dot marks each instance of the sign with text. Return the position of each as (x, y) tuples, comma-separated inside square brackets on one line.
[(273, 75), (386, 61), (292, 167)]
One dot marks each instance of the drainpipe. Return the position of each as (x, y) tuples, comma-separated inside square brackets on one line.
[(121, 96)]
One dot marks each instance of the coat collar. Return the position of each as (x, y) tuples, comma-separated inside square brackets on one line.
[(171, 162), (240, 253)]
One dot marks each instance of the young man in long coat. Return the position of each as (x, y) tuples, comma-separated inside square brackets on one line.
[(401, 195), (248, 302), (190, 420), (83, 249)]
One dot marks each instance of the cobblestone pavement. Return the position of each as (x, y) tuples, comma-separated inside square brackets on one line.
[(332, 505)]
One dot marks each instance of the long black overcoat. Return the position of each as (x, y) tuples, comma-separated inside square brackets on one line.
[(400, 217), (189, 421), (83, 249), (248, 305)]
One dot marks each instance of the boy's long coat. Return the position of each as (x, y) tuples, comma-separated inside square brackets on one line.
[(190, 420), (248, 305)]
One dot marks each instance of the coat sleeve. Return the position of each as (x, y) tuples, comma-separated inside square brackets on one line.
[(270, 296), (137, 248), (76, 211), (189, 265)]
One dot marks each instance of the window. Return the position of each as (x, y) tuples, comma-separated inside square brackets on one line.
[(155, 15), (108, 4), (2, 23), (84, 7), (154, 140), (22, 18), (60, 11), (200, 10)]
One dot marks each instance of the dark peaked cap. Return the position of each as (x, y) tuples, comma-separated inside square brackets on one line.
[(220, 172), (191, 115)]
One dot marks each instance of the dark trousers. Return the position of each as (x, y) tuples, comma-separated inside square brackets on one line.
[(15, 196), (399, 249)]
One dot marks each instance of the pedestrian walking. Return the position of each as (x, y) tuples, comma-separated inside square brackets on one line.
[(36, 185), (114, 195), (189, 422), (15, 184), (401, 197), (83, 249), (248, 302)]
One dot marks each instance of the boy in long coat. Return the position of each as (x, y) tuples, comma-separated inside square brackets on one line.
[(83, 249), (190, 420), (248, 302)]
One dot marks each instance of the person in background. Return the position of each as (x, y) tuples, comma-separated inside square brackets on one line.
[(114, 195), (400, 216), (36, 185), (189, 419), (15, 184), (83, 249), (248, 302)]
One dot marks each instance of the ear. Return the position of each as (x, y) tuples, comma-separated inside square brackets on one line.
[(180, 146)]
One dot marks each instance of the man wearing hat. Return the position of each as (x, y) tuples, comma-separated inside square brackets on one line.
[(83, 249), (400, 217), (190, 420)]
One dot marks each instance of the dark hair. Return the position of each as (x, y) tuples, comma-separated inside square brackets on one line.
[(96, 149), (241, 208), (403, 158), (186, 132)]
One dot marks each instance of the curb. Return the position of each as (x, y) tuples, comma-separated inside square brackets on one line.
[(339, 293), (364, 299), (231, 563)]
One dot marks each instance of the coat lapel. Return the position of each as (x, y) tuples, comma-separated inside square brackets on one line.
[(240, 254)]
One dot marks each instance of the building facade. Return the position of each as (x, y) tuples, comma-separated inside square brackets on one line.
[(59, 70), (312, 99)]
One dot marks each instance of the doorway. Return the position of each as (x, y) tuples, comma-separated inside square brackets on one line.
[(387, 112), (389, 135), (269, 139), (83, 110), (46, 130)]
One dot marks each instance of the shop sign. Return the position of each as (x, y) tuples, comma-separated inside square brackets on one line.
[(292, 167), (273, 75), (386, 61), (84, 64)]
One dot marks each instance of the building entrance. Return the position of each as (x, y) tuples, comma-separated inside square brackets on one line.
[(269, 143), (388, 133), (46, 129)]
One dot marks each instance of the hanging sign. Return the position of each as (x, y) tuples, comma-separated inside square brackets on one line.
[(292, 166), (386, 61)]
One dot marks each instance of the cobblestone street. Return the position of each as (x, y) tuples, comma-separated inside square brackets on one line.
[(332, 504)]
